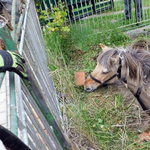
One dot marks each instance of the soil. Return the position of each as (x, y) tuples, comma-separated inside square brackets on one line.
[(141, 44), (77, 55)]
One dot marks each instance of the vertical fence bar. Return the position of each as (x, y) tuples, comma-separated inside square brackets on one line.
[(87, 14), (18, 81), (94, 12), (69, 12), (13, 15), (19, 27), (136, 11), (99, 18), (1, 78), (13, 112)]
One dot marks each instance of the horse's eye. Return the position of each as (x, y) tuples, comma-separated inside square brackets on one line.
[(105, 72)]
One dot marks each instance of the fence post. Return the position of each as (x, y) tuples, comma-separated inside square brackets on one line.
[(138, 10), (112, 3), (70, 11), (1, 78), (13, 111), (136, 14), (93, 6)]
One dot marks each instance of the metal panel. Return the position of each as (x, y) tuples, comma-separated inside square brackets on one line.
[(35, 55), (37, 124)]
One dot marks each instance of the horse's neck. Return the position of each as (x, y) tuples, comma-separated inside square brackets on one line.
[(144, 97), (135, 83)]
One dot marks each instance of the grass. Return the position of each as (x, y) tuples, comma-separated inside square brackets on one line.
[(119, 5), (111, 21), (97, 120)]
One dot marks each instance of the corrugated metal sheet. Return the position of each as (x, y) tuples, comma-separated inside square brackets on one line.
[(33, 128), (39, 131), (35, 55)]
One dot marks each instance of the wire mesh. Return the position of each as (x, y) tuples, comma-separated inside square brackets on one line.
[(110, 14)]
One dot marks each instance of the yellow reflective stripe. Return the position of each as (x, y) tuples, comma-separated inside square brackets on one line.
[(1, 61)]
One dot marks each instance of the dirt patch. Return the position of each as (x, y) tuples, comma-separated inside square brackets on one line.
[(136, 32), (77, 55), (80, 142), (140, 44)]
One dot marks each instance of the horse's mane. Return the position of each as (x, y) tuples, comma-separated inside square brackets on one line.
[(143, 57), (137, 61)]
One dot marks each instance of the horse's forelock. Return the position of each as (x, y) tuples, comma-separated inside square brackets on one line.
[(104, 58)]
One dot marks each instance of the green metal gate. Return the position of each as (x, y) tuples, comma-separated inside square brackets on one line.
[(80, 8)]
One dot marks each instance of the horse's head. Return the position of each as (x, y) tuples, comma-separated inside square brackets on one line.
[(106, 70)]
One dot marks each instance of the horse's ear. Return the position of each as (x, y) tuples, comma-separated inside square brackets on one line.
[(104, 48)]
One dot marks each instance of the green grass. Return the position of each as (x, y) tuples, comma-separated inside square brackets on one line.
[(110, 21), (119, 5), (92, 117)]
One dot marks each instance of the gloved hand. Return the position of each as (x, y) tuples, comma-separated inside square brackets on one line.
[(12, 61)]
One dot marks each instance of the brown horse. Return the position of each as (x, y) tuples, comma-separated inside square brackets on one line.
[(132, 67)]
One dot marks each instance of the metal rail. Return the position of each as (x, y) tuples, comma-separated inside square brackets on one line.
[(13, 111)]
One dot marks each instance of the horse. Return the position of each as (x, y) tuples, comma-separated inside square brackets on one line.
[(130, 66)]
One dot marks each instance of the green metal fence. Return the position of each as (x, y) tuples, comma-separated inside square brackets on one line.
[(78, 9), (99, 14)]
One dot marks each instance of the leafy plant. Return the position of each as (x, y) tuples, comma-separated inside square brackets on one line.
[(56, 18)]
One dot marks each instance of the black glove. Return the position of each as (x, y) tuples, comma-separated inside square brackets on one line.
[(12, 61)]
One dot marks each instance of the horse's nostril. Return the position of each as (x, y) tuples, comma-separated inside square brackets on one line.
[(88, 89)]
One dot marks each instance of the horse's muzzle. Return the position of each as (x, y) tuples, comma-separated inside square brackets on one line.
[(88, 89)]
